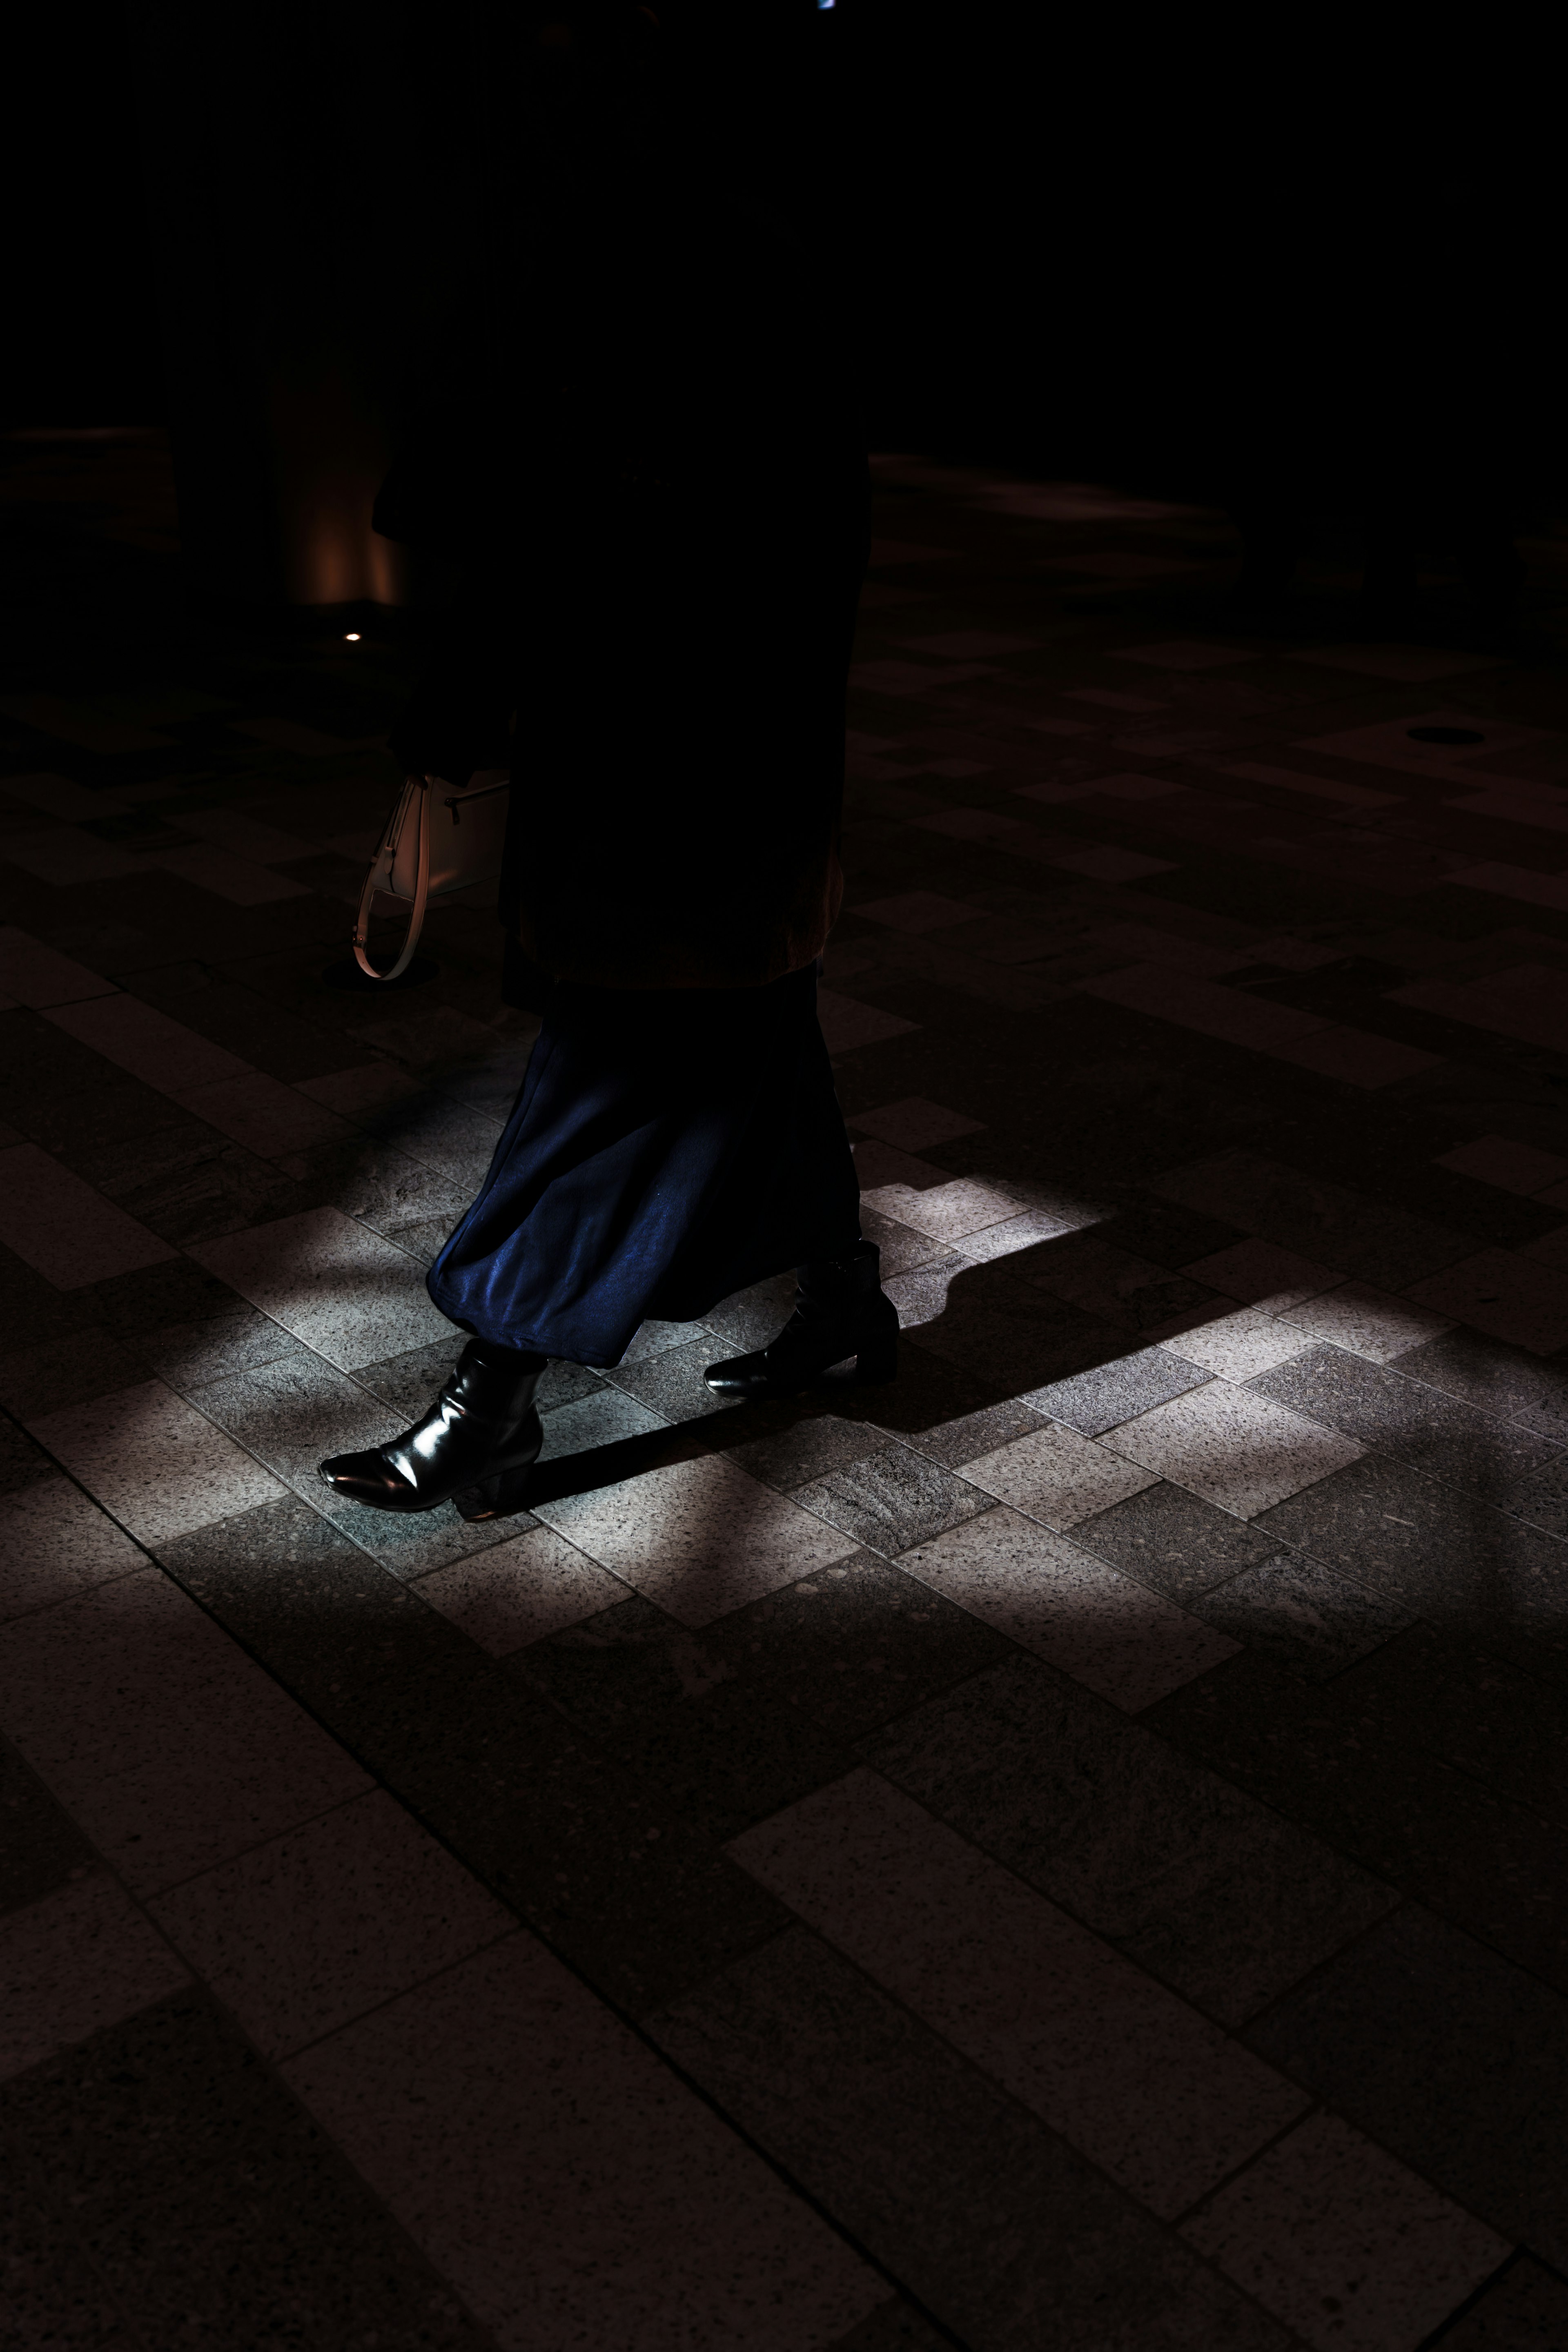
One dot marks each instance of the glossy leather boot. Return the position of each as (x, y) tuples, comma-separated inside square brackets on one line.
[(839, 1311), (475, 1446)]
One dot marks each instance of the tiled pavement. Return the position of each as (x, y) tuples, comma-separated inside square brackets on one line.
[(1065, 1851)]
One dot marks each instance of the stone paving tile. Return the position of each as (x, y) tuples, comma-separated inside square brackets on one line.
[(78, 1370), (66, 1228), (1055, 1476), (855, 1643), (1525, 2311), (137, 1037), (1292, 1610), (22, 1464), (81, 1958), (33, 974), (291, 1414), (893, 1500), (42, 1848), (1498, 1160), (959, 1441), (1495, 1378), (303, 1934), (1259, 1273), (1173, 1540), (1449, 1441), (55, 1543), (1442, 1554), (670, 1382), (1414, 2034), (1354, 1773), (1238, 1347), (1342, 2242), (603, 1417), (519, 1590), (699, 1538), (165, 2156), (526, 2090), (1513, 1298), (192, 1355), (1367, 1322), (1127, 2074), (893, 2326), (347, 1294), (809, 1448), (728, 1754), (1215, 1894), (171, 1747), (1114, 1284), (1117, 1636), (554, 1827), (160, 1466), (1494, 1722), (1321, 1221), (1233, 1447), (817, 2064), (623, 1667), (1096, 1400)]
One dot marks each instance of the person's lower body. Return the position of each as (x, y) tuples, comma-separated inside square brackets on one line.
[(668, 1147)]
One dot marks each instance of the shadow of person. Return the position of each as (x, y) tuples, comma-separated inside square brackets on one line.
[(984, 1336)]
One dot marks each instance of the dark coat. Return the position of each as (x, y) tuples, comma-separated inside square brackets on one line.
[(656, 500)]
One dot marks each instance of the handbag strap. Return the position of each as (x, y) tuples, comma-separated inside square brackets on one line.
[(416, 791)]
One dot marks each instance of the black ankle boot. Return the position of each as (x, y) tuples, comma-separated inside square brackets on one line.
[(475, 1446), (839, 1311)]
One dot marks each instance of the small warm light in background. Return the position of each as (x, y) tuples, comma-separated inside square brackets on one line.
[(352, 637)]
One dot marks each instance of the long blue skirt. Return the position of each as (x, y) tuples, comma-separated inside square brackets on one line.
[(670, 1146)]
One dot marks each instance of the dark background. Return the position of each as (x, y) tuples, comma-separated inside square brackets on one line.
[(1102, 248)]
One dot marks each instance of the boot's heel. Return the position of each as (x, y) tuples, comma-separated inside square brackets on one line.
[(494, 1498), (505, 1493)]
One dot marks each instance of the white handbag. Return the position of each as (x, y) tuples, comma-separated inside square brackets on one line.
[(437, 839)]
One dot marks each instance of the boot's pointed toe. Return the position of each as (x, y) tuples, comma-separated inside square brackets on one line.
[(480, 1433), (369, 1478)]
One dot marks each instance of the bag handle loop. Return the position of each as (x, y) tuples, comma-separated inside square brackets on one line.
[(415, 792)]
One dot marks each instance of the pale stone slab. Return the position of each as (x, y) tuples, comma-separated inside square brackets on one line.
[(1500, 1291), (344, 1291), (1056, 1476), (269, 1117), (1498, 1160), (1103, 1629), (157, 1463), (699, 1537), (33, 974), (54, 1542), (1261, 1273), (82, 1958), (946, 1212), (1358, 1058), (518, 1592), (1236, 1346), (847, 1023), (1162, 2100), (307, 1932), (137, 1037), (1240, 1451), (571, 2189), (65, 1228), (173, 1749), (1343, 2243), (1367, 1322), (914, 1124)]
